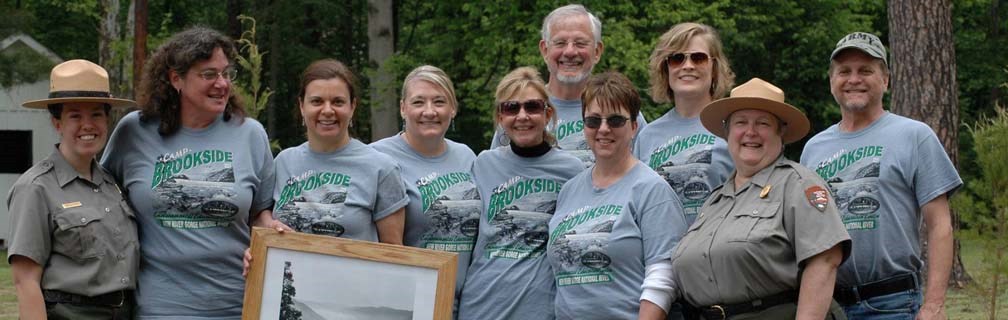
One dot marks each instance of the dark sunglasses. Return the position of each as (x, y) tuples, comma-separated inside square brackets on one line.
[(678, 58), (512, 107), (614, 121)]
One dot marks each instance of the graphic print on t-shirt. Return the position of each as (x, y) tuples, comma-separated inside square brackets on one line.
[(853, 178), (519, 212), (194, 190), (313, 203), (571, 140), (683, 162), (452, 204), (580, 243)]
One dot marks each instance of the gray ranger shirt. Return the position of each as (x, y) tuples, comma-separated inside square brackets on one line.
[(750, 243), (82, 232)]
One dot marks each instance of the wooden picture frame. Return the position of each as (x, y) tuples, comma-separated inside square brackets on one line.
[(328, 275)]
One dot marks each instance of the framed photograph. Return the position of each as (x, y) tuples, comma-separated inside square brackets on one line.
[(312, 277)]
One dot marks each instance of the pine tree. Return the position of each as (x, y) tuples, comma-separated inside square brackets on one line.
[(287, 309)]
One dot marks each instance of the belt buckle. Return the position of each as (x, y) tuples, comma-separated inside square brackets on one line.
[(718, 307), (122, 299)]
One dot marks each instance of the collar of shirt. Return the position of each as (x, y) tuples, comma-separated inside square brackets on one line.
[(759, 180), (66, 173)]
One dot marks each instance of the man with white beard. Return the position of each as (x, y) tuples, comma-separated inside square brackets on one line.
[(571, 45)]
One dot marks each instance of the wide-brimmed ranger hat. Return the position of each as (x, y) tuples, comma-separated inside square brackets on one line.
[(759, 95), (78, 81)]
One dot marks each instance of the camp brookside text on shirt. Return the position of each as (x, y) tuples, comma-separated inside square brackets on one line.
[(520, 210), (194, 189), (853, 178), (579, 242)]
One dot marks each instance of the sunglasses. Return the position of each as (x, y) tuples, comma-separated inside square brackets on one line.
[(512, 107), (678, 58), (614, 121)]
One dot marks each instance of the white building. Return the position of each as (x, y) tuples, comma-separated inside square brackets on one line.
[(26, 135)]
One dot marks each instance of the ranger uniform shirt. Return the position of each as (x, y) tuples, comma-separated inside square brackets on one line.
[(751, 243), (81, 232)]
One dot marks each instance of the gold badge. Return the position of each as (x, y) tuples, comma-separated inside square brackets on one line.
[(765, 192), (69, 205)]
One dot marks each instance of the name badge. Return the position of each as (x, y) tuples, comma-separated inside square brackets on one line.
[(69, 205)]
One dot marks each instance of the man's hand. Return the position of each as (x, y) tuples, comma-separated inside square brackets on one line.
[(932, 312)]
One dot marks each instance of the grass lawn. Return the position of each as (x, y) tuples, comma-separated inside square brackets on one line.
[(962, 304)]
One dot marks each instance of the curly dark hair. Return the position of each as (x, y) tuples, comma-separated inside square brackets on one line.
[(158, 99)]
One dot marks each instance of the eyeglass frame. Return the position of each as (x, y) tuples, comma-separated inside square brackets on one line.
[(229, 73), (609, 121), (522, 105), (688, 56)]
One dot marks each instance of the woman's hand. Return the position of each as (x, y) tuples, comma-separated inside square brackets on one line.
[(263, 219)]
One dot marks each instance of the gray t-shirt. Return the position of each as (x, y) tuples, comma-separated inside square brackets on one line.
[(193, 193), (444, 206), (569, 131), (602, 239), (881, 176), (691, 159), (509, 277), (340, 193)]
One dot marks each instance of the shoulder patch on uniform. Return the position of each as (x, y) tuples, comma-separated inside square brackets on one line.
[(817, 197)]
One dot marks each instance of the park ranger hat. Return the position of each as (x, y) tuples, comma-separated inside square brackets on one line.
[(866, 42), (759, 95), (78, 81)]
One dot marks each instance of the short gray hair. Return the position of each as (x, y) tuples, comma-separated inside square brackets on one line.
[(571, 10)]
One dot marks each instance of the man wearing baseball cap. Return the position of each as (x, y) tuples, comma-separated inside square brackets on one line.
[(73, 251), (888, 173)]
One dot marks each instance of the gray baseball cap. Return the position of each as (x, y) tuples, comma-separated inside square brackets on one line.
[(866, 42)]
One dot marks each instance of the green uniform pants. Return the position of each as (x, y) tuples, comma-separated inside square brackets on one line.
[(788, 311), (68, 311)]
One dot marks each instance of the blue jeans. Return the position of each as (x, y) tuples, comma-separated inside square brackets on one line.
[(893, 306)]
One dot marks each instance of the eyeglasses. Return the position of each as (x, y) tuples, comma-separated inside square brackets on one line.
[(229, 74), (614, 121), (578, 43), (678, 58), (512, 107)]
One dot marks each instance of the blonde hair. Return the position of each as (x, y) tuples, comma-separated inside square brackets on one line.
[(676, 40), (516, 81), (435, 76)]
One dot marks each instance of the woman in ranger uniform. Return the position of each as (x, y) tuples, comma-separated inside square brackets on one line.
[(509, 277), (73, 249), (767, 243)]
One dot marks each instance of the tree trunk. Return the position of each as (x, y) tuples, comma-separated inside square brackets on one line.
[(233, 9), (139, 41), (923, 83), (381, 45), (274, 67), (108, 34)]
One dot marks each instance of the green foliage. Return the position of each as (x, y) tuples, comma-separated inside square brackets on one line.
[(251, 60), (983, 205), (252, 92), (981, 34), (21, 64)]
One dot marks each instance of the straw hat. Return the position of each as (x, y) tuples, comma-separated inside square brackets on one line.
[(78, 81), (760, 95)]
